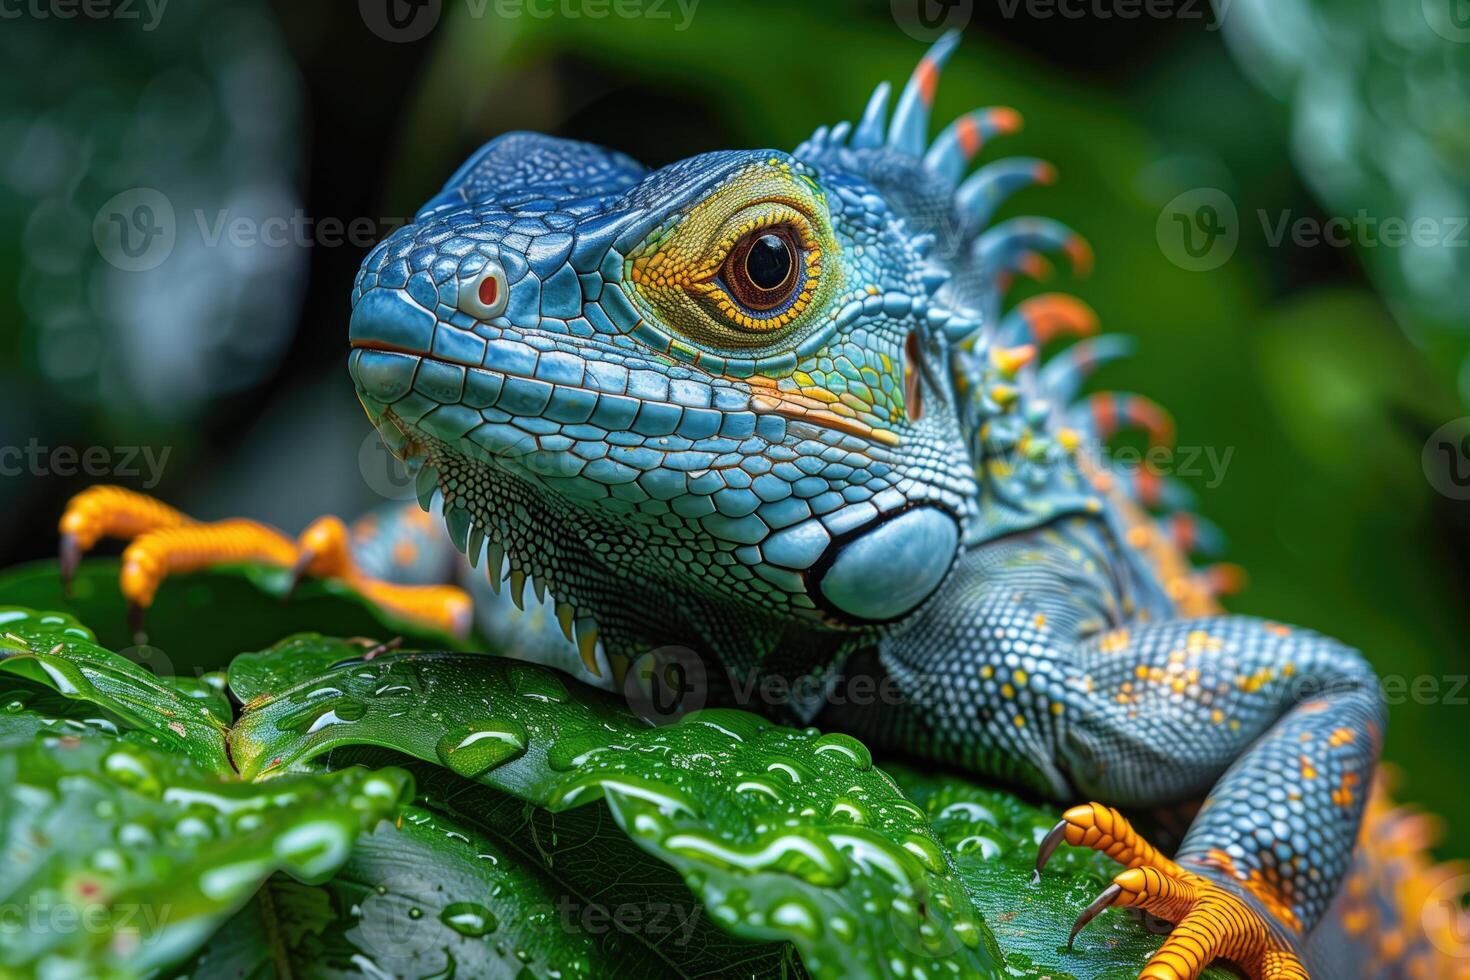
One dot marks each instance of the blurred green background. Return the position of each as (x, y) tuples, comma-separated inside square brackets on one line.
[(1321, 369)]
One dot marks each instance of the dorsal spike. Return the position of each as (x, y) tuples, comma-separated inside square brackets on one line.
[(999, 248), (933, 276), (1224, 578), (870, 129), (1110, 412), (986, 189), (962, 139), (1040, 319), (840, 132), (909, 131), (1193, 534), (1062, 376)]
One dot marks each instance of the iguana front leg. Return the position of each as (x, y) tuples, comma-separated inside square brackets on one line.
[(164, 541), (1278, 730)]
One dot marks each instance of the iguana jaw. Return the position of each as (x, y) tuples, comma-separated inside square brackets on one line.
[(560, 435)]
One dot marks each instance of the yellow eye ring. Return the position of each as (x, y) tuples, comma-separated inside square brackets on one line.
[(763, 272)]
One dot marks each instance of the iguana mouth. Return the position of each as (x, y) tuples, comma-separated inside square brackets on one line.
[(756, 395)]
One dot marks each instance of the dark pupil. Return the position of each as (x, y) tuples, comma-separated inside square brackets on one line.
[(769, 262)]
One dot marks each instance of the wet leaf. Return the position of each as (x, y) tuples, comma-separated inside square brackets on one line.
[(294, 659), (483, 885), (54, 650), (783, 834), (125, 858)]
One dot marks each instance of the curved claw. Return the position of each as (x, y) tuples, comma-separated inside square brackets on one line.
[(69, 556), (298, 571), (1049, 845), (135, 623), (1094, 910)]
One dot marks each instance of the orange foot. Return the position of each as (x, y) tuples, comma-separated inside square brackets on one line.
[(1212, 921), (164, 541)]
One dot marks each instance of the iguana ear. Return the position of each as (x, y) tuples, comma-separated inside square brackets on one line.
[(521, 165), (925, 184)]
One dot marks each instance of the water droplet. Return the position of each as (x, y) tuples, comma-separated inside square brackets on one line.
[(478, 747), (537, 683), (984, 847), (799, 915), (926, 851), (733, 723), (573, 749), (322, 714), (758, 787), (849, 810), (845, 749), (469, 919), (969, 811)]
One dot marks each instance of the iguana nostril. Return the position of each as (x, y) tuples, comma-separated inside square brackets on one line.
[(890, 569), (390, 318)]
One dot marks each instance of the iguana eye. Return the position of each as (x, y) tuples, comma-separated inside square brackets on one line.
[(761, 271)]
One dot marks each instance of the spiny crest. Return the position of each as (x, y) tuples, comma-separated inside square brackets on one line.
[(1030, 427)]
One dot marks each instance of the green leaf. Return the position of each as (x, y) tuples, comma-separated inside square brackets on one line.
[(124, 859), (784, 834), (55, 650), (296, 658), (490, 888), (992, 838)]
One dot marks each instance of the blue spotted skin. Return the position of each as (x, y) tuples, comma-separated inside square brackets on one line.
[(867, 485)]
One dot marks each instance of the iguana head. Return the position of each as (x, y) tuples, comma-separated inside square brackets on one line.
[(709, 403)]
